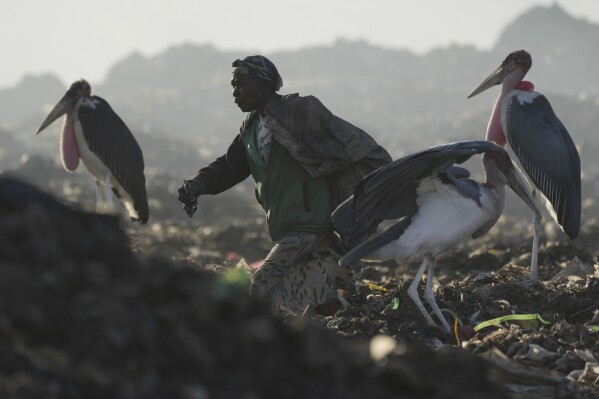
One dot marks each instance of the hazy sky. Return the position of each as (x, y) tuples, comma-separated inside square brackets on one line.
[(81, 38)]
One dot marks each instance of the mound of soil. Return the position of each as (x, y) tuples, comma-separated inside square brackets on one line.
[(94, 307), (83, 316)]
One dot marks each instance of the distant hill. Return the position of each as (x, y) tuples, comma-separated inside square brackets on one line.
[(179, 106), (403, 99), (565, 50), (28, 96)]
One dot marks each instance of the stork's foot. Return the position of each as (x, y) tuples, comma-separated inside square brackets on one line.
[(430, 298), (429, 264), (531, 283), (518, 274), (413, 294)]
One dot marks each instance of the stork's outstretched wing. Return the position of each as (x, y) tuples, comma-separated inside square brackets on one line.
[(390, 192)]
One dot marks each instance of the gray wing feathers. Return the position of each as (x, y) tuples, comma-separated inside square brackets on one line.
[(548, 155), (351, 230), (371, 245), (390, 191), (110, 139)]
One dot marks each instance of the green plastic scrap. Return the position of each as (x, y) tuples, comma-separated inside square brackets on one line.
[(531, 317)]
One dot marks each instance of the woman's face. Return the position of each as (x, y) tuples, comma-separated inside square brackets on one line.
[(250, 93)]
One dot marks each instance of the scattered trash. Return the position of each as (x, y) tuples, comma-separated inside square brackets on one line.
[(374, 287), (522, 319)]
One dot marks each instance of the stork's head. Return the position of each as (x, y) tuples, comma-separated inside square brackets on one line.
[(79, 89), (67, 103), (510, 72)]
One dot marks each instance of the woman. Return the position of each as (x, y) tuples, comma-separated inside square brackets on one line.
[(305, 161)]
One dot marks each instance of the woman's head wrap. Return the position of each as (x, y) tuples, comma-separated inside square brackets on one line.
[(260, 67)]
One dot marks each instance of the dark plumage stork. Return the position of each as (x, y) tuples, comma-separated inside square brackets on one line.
[(94, 133), (523, 121), (436, 203)]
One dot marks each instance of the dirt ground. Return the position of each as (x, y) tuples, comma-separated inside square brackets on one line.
[(94, 307)]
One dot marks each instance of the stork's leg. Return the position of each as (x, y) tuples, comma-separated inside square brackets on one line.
[(99, 198), (534, 264), (108, 193), (430, 296), (413, 291)]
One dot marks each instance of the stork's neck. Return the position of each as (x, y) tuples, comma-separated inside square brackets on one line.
[(495, 131), (494, 181)]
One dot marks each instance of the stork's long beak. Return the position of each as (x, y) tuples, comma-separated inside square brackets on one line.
[(496, 77), (519, 186), (63, 106)]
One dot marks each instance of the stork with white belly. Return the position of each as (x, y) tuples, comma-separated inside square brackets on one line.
[(524, 122), (93, 133), (435, 206)]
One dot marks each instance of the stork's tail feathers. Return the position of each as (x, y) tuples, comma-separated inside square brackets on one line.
[(368, 247), (351, 231), (143, 211)]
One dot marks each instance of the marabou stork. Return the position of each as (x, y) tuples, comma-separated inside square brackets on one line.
[(94, 133), (436, 204), (523, 121)]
